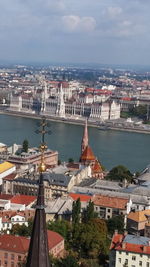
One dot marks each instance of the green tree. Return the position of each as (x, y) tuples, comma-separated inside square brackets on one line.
[(120, 173), (25, 146), (59, 162), (139, 111), (22, 230), (62, 227), (116, 222), (68, 261), (89, 241), (76, 211), (71, 160), (89, 213)]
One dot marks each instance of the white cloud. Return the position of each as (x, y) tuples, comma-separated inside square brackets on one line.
[(113, 12), (74, 23)]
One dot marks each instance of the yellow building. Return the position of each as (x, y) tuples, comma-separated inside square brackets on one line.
[(6, 168)]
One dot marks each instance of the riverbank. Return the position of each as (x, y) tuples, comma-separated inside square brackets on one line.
[(74, 122)]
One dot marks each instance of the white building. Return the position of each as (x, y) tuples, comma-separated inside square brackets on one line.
[(129, 251)]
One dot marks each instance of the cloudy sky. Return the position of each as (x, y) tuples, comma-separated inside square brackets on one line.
[(75, 31)]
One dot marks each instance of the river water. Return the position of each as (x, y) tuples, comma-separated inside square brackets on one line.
[(111, 147)]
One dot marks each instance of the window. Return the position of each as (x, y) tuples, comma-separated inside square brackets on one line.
[(147, 265), (126, 261), (108, 210), (140, 263), (5, 263), (133, 258), (12, 257), (19, 258), (12, 264), (120, 260), (5, 255)]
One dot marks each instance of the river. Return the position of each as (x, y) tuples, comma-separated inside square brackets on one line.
[(111, 147)]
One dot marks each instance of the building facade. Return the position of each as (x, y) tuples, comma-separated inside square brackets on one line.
[(129, 250)]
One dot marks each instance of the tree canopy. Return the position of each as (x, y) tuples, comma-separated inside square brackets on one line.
[(89, 213), (120, 173), (115, 223), (25, 146), (76, 211)]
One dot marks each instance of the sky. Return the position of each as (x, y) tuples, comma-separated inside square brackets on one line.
[(75, 31)]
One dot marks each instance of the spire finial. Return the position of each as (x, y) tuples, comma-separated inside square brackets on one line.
[(42, 130)]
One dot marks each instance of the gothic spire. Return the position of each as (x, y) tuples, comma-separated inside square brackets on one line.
[(84, 143), (38, 255)]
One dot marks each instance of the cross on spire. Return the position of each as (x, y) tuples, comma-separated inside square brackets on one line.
[(42, 130)]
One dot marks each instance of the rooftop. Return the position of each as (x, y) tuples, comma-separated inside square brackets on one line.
[(23, 199), (131, 243), (57, 179), (83, 198), (87, 154), (18, 244), (6, 166), (112, 202), (139, 216)]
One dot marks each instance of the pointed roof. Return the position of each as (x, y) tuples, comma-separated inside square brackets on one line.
[(97, 167), (87, 155), (38, 251), (85, 140)]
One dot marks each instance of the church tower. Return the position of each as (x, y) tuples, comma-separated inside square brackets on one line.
[(61, 104), (88, 158), (85, 141), (38, 254)]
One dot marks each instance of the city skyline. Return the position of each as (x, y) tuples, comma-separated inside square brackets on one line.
[(103, 32)]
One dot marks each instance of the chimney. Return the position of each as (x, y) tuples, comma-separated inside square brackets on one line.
[(123, 245)]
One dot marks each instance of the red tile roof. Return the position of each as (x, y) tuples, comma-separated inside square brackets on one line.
[(83, 198), (97, 167), (5, 196), (23, 199), (112, 202), (126, 98), (87, 154), (10, 177), (13, 243), (20, 244), (118, 244), (53, 239)]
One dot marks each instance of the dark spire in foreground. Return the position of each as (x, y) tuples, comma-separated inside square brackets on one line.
[(38, 255)]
